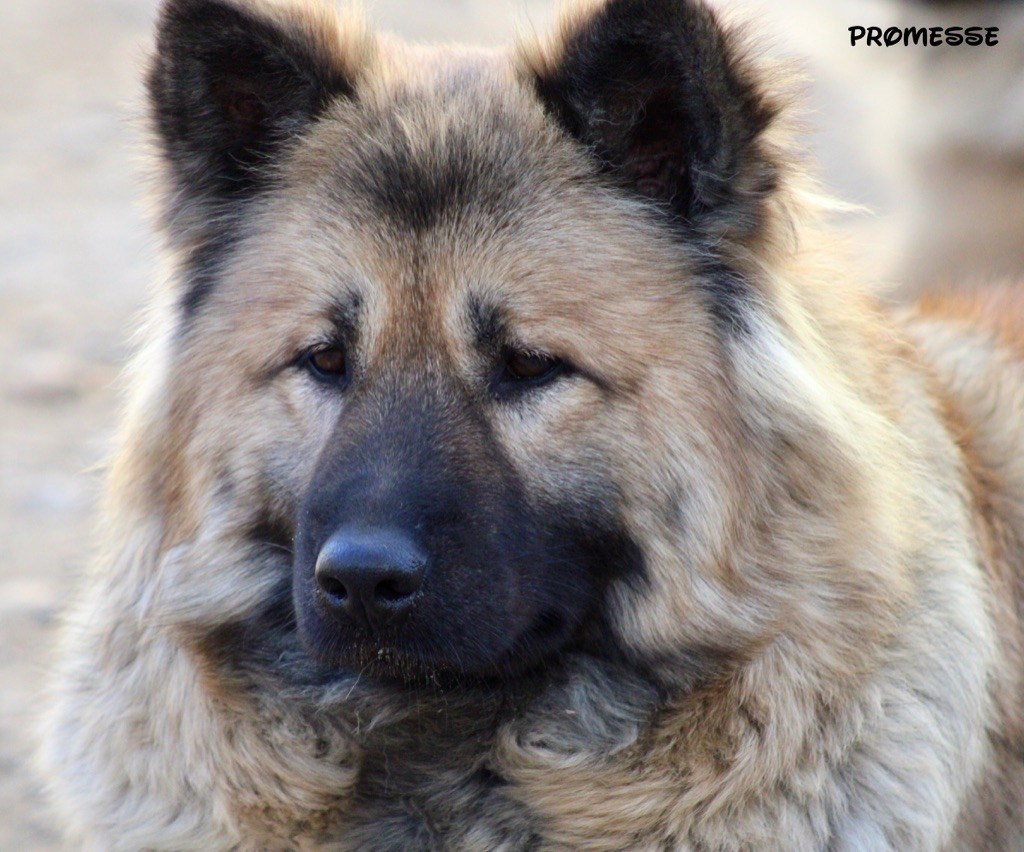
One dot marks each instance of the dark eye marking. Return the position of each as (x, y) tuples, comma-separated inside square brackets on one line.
[(327, 364), (521, 370)]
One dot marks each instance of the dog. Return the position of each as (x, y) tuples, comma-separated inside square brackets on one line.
[(515, 461)]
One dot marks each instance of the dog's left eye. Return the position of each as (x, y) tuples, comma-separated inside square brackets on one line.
[(522, 369), (328, 364)]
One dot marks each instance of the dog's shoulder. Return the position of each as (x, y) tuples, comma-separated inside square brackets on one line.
[(973, 341)]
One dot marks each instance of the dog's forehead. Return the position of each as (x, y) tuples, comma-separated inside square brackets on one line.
[(432, 134), (440, 159), (441, 189)]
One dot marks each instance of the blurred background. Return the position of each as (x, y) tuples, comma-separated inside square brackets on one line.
[(931, 140)]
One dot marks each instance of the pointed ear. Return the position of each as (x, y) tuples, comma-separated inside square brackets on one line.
[(661, 95), (232, 82)]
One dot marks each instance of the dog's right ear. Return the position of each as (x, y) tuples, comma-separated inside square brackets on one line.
[(231, 82)]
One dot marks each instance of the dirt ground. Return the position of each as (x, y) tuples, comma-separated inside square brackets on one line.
[(76, 260)]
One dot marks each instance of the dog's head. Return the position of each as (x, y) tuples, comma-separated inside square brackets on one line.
[(463, 326)]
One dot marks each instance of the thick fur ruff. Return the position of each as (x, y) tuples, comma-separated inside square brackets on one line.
[(733, 562)]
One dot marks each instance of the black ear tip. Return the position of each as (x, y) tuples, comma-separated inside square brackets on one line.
[(176, 17)]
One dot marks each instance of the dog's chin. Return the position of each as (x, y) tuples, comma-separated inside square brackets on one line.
[(407, 662)]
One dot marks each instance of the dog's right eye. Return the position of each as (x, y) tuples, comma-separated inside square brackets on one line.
[(327, 364), (522, 370), (530, 366)]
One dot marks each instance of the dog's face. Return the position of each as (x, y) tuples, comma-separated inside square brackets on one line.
[(453, 323)]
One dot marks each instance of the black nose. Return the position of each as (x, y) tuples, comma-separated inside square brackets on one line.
[(370, 575)]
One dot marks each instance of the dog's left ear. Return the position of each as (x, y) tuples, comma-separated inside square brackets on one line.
[(660, 94), (232, 82)]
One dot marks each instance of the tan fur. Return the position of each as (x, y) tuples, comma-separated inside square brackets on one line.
[(832, 502)]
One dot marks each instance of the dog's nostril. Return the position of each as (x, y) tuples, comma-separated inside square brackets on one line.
[(395, 589), (333, 587)]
